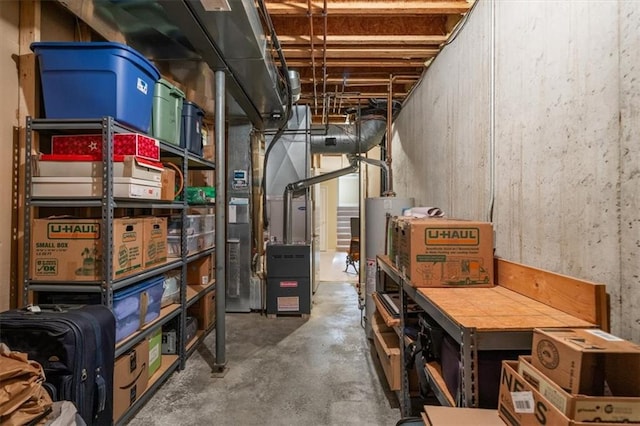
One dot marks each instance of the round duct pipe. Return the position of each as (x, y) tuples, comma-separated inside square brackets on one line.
[(343, 138), (294, 79)]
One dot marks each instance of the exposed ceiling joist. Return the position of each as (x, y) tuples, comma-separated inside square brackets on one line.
[(355, 50), (364, 40), (356, 63), (364, 25), (369, 53), (363, 81), (370, 8)]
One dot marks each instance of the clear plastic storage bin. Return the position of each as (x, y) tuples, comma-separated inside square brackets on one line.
[(137, 305)]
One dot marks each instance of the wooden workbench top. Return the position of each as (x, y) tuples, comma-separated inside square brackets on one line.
[(497, 309), (525, 298)]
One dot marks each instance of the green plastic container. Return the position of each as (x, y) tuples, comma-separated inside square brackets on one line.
[(166, 116), (201, 194), (155, 352)]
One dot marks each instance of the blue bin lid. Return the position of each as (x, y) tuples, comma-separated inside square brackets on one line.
[(126, 51), (139, 288), (187, 105)]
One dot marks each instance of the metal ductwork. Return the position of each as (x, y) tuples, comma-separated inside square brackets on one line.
[(344, 138), (302, 185), (227, 34), (294, 80), (239, 44)]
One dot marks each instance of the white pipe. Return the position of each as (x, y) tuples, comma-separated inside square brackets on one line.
[(492, 115)]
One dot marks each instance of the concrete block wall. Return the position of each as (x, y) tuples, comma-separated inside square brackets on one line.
[(562, 79)]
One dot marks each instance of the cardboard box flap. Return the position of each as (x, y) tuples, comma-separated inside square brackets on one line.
[(591, 340), (459, 416), (580, 407), (588, 361), (144, 163)]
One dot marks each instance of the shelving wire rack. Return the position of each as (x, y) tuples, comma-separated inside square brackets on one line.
[(107, 285)]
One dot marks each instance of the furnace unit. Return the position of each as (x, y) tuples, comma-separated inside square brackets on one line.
[(288, 279)]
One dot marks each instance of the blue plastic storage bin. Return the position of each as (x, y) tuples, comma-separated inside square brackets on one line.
[(191, 130), (137, 305), (93, 80)]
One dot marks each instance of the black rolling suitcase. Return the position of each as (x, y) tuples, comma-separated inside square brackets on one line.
[(75, 345)]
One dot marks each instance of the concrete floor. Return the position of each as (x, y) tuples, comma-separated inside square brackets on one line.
[(283, 371)]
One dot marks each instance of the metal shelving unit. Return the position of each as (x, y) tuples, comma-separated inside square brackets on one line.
[(408, 292), (107, 285), (470, 340)]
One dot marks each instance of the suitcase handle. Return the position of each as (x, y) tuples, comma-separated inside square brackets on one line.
[(101, 389), (50, 308)]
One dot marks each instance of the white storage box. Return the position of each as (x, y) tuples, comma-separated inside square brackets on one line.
[(82, 166), (84, 187)]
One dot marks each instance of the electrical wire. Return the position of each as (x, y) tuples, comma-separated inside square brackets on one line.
[(460, 25), (285, 119), (454, 34)]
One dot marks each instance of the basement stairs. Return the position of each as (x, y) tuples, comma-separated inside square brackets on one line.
[(344, 226)]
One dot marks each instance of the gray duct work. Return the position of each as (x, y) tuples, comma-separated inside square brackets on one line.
[(344, 138), (302, 185), (339, 139)]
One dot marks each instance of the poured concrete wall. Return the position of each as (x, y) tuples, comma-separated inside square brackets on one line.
[(565, 139)]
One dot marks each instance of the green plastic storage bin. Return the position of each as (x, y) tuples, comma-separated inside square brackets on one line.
[(155, 352), (201, 194), (166, 117)]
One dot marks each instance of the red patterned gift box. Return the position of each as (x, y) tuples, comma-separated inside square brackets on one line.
[(136, 144), (123, 144), (90, 145)]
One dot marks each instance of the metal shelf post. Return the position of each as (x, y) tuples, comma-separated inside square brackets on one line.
[(182, 329), (405, 397)]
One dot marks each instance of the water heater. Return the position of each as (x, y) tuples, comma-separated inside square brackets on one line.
[(377, 210)]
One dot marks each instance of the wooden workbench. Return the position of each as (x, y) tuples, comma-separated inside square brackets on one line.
[(501, 317)]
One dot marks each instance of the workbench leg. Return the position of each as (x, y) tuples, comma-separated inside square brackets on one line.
[(469, 356), (405, 396)]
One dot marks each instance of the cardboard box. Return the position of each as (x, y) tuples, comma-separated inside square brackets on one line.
[(130, 378), (204, 310), (394, 236), (59, 165), (168, 180), (123, 187), (378, 324), (67, 249), (581, 360), (387, 346), (209, 152), (155, 351), (460, 416), (139, 168), (435, 252), (154, 241), (200, 271), (127, 246), (581, 407), (201, 178), (530, 407)]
